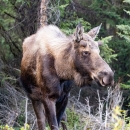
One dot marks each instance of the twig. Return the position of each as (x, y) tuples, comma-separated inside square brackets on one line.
[(79, 94), (100, 106), (26, 113), (33, 124), (16, 25), (11, 16)]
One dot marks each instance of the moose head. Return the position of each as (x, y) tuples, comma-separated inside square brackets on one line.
[(87, 59)]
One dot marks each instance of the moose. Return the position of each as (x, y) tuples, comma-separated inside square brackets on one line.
[(50, 64)]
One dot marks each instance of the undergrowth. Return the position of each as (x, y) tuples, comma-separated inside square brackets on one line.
[(15, 111), (108, 114)]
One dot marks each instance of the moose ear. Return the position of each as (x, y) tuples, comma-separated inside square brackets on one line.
[(94, 32), (78, 34)]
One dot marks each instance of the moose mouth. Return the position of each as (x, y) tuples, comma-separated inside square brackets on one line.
[(105, 82), (100, 82)]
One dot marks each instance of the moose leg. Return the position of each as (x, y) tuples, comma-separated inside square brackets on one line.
[(62, 102), (51, 113), (38, 109), (63, 120), (60, 108)]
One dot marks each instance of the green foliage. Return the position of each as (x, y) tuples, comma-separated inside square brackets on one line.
[(128, 12), (7, 21), (109, 11), (124, 32), (67, 26), (126, 85), (21, 119), (26, 127), (70, 19), (7, 127), (120, 119), (106, 52), (74, 120), (122, 63), (127, 1)]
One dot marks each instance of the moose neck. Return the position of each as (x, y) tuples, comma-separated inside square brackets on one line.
[(64, 62), (64, 65)]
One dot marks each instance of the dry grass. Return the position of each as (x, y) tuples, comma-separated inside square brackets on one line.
[(103, 118)]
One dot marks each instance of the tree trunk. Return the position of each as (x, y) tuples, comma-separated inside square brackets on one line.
[(43, 12)]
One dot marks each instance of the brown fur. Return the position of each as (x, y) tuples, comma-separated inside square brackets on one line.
[(50, 58)]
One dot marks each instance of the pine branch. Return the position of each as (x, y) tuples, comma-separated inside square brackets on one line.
[(11, 16)]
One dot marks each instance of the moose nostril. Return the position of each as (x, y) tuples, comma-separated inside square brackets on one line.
[(105, 73)]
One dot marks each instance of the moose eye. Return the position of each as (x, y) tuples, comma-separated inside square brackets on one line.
[(86, 53)]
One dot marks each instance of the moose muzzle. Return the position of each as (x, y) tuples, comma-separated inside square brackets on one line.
[(106, 77)]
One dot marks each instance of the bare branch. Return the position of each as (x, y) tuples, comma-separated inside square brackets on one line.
[(11, 16)]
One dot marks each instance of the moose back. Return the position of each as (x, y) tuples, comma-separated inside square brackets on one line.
[(52, 61)]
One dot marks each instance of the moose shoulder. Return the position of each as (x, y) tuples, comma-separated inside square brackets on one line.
[(51, 60)]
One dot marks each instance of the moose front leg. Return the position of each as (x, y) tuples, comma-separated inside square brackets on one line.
[(51, 93), (51, 90), (50, 110), (60, 108), (62, 102), (63, 121), (38, 108)]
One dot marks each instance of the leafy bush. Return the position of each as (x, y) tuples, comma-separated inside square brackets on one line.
[(7, 127)]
